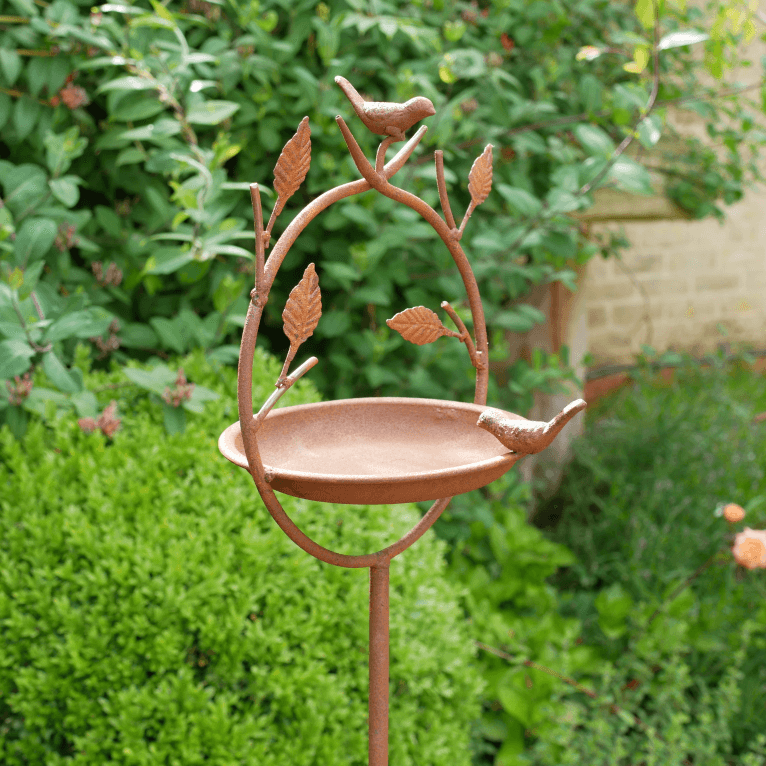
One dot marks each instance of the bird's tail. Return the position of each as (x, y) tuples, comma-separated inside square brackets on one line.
[(351, 92)]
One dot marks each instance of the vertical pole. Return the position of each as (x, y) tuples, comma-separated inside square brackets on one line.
[(378, 720)]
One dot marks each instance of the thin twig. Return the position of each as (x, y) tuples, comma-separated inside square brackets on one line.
[(380, 156), (464, 336), (255, 198), (448, 217), (35, 346)]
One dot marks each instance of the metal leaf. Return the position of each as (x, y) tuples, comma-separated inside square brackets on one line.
[(418, 325), (292, 165), (480, 177), (303, 308)]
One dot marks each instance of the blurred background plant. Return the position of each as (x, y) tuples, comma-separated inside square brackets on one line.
[(133, 131)]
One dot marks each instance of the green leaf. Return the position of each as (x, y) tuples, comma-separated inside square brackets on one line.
[(10, 65), (166, 260), (162, 11), (175, 419), (109, 221), (6, 108), (520, 200), (62, 148), (687, 37), (85, 404), (129, 84), (649, 131), (645, 13), (25, 116), (594, 140), (30, 277), (33, 239), (171, 335), (62, 378), (24, 185), (14, 357), (136, 107), (65, 190), (38, 399), (79, 324), (154, 380), (130, 156), (631, 177), (211, 112), (199, 396), (515, 703), (137, 335)]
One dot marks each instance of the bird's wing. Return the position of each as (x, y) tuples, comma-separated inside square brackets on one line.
[(387, 111)]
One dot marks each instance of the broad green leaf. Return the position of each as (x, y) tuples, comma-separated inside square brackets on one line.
[(594, 140), (65, 190), (520, 200), (14, 357), (166, 260), (79, 324), (137, 335), (6, 108), (62, 148), (33, 239), (85, 404), (38, 399), (130, 156), (157, 130), (24, 185), (687, 37), (171, 334), (59, 375), (645, 13), (175, 419), (30, 278), (211, 112), (153, 380), (630, 176), (649, 131), (199, 396), (25, 115), (136, 107), (128, 83), (10, 65)]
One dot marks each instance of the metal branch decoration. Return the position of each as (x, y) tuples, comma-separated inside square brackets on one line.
[(381, 449)]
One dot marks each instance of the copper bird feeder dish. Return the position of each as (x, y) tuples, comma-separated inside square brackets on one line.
[(377, 450)]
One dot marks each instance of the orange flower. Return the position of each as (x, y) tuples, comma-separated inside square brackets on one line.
[(750, 548), (733, 513)]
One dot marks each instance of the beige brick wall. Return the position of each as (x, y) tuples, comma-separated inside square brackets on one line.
[(677, 282), (681, 278)]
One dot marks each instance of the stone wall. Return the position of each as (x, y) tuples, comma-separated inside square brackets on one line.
[(678, 281)]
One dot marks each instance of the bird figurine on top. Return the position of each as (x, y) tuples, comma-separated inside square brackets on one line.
[(527, 437), (387, 118)]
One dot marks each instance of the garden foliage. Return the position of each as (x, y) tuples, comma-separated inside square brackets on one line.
[(151, 611)]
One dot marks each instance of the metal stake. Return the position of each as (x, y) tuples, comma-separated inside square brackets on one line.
[(379, 664)]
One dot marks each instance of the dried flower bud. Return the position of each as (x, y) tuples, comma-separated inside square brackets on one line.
[(493, 59), (183, 390), (74, 96), (88, 425), (733, 513), (507, 42), (469, 105), (20, 391), (108, 422), (749, 548), (65, 238)]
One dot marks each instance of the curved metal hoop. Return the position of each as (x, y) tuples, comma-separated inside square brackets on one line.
[(378, 181)]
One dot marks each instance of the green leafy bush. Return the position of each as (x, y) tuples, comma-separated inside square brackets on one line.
[(134, 130), (637, 508), (152, 612)]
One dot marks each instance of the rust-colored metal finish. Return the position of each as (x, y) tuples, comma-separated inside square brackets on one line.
[(377, 450)]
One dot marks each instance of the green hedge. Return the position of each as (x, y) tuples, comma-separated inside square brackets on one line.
[(153, 613)]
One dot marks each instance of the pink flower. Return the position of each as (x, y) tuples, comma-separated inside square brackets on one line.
[(750, 548)]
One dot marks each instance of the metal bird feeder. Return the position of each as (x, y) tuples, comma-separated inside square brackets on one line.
[(374, 450)]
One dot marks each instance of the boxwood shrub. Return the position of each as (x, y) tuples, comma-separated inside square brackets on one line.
[(152, 612)]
